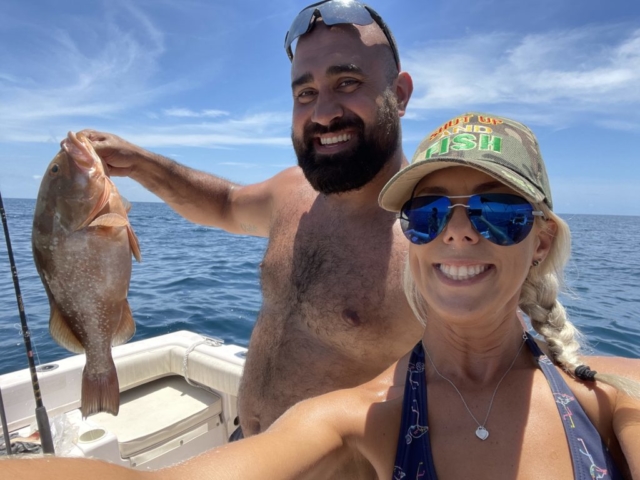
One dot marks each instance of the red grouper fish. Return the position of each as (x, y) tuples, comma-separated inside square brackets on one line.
[(82, 246)]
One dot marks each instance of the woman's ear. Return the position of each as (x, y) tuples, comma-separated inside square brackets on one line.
[(546, 236)]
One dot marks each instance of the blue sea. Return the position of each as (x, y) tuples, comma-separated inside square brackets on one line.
[(206, 280)]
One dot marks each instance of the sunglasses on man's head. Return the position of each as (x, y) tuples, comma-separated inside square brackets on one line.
[(334, 12), (501, 218)]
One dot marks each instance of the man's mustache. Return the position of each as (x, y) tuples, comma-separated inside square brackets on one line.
[(335, 126)]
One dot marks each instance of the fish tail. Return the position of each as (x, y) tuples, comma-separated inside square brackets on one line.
[(100, 392)]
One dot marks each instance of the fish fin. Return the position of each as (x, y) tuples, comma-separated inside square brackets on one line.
[(102, 202), (126, 327), (61, 332), (126, 203), (134, 244), (100, 391), (110, 220)]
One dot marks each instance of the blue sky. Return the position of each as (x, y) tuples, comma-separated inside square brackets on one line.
[(207, 83)]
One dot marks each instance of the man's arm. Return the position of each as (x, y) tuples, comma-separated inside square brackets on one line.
[(198, 196)]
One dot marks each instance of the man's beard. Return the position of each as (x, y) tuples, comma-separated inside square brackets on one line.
[(354, 168)]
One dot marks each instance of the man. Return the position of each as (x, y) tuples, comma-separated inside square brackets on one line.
[(334, 314)]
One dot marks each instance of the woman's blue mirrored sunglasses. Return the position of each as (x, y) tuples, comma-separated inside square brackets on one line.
[(334, 12), (501, 218)]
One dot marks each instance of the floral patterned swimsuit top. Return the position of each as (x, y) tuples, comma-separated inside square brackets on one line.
[(590, 457)]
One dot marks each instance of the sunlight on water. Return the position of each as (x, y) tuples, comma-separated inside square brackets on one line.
[(206, 280)]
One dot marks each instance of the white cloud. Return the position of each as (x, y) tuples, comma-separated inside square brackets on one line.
[(8, 78), (100, 74), (411, 115), (185, 112), (239, 164), (87, 70), (552, 75), (620, 124), (266, 128), (211, 140)]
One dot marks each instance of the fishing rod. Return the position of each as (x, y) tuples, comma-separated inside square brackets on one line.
[(5, 428), (41, 413)]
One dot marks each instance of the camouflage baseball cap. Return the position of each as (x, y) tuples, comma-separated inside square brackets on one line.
[(502, 148)]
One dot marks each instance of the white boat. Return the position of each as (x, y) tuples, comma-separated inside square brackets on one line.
[(177, 399)]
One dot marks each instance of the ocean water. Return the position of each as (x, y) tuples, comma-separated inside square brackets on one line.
[(207, 281)]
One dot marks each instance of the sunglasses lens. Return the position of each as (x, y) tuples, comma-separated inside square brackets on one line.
[(299, 26), (423, 218), (503, 219), (336, 12), (332, 12)]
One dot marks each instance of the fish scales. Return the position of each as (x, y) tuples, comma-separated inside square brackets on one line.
[(82, 244)]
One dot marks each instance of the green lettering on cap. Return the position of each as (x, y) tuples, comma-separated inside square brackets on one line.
[(438, 148), (444, 145), (464, 141), (490, 142), (431, 150)]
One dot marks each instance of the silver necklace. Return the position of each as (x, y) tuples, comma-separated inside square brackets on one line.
[(481, 432)]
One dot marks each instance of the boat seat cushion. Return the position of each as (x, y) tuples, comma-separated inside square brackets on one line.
[(158, 411), (140, 368)]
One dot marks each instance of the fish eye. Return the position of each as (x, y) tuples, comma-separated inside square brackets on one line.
[(55, 168)]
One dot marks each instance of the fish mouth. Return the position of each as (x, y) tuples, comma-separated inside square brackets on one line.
[(81, 154)]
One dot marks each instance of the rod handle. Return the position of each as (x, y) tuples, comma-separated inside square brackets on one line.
[(45, 430)]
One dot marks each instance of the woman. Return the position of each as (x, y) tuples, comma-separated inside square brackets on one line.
[(468, 277), (476, 205)]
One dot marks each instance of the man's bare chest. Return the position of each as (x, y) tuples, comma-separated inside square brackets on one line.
[(327, 262)]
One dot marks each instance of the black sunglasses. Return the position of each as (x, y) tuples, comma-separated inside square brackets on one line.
[(334, 12), (501, 218)]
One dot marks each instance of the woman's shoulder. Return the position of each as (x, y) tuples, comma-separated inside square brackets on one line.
[(613, 375), (620, 378), (626, 367), (624, 404)]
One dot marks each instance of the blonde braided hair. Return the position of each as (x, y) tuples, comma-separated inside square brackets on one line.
[(539, 300)]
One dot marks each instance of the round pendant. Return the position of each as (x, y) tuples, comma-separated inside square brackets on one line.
[(482, 433)]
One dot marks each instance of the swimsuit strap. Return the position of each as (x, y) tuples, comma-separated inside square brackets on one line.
[(413, 457), (590, 456)]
